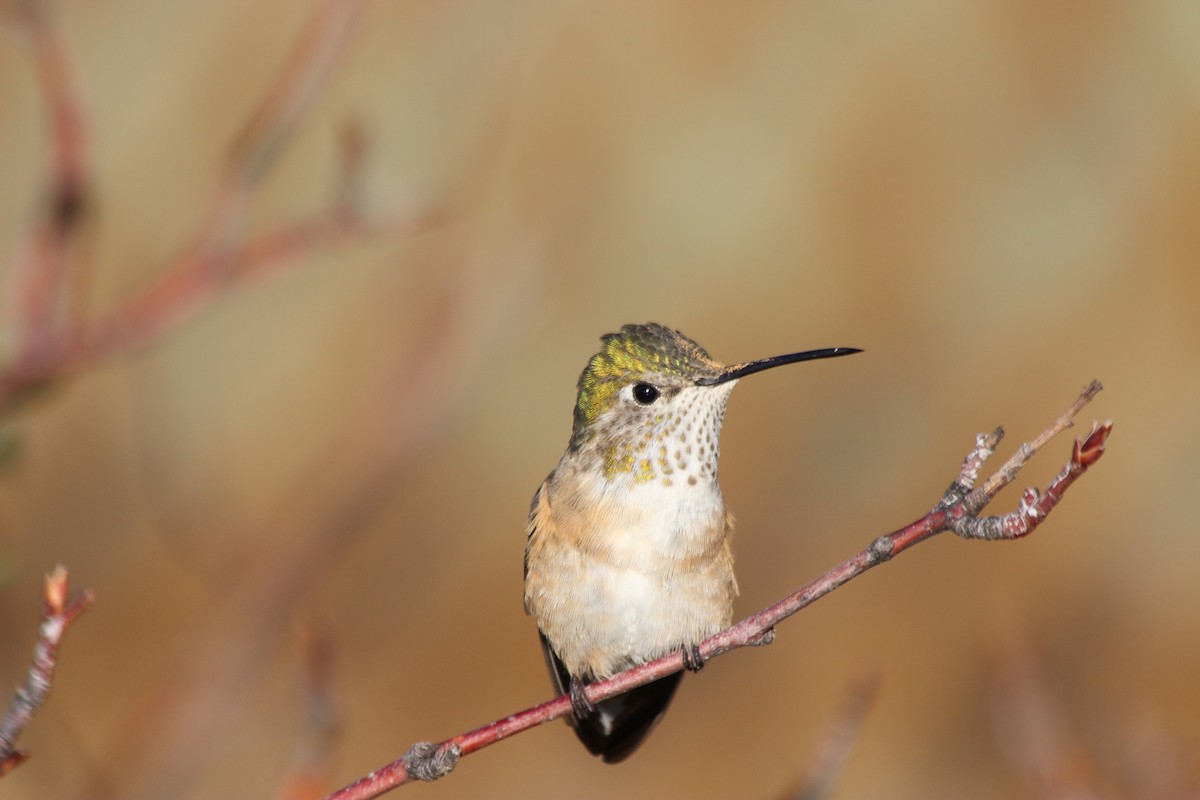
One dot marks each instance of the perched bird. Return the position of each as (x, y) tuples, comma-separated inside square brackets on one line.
[(628, 554)]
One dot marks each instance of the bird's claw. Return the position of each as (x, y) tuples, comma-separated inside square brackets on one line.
[(580, 704)]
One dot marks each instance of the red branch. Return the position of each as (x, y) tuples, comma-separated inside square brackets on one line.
[(51, 344), (42, 261), (958, 510), (57, 615)]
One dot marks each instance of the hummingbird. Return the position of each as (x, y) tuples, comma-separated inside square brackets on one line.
[(628, 554)]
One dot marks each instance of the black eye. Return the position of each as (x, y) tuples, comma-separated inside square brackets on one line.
[(645, 394)]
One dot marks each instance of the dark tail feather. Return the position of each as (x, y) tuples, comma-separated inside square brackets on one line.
[(619, 724)]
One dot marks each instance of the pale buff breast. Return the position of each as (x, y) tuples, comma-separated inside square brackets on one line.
[(619, 577)]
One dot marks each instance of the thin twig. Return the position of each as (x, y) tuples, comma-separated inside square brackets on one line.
[(1033, 730), (40, 270), (310, 771), (840, 736), (207, 267), (178, 297), (219, 257), (57, 615), (429, 761), (269, 128)]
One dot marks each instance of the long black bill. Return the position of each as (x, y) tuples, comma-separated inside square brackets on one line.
[(750, 367)]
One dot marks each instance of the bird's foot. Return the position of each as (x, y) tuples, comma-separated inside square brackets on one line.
[(692, 660), (580, 704)]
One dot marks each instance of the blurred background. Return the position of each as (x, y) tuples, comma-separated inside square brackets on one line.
[(302, 508)]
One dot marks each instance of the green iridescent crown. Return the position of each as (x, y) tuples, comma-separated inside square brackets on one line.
[(637, 352)]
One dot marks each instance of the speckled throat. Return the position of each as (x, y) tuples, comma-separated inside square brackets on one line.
[(675, 434), (679, 442)]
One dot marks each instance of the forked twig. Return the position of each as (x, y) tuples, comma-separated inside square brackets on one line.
[(958, 510), (50, 343)]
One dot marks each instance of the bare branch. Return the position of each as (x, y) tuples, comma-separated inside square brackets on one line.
[(1005, 474), (429, 761), (270, 126), (57, 615), (219, 257), (180, 295), (39, 277)]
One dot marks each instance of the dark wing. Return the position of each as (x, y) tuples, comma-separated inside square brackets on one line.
[(619, 724)]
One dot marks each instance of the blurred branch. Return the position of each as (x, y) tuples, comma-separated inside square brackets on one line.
[(1127, 758), (215, 260), (42, 261), (172, 730), (219, 258), (310, 771), (958, 510), (839, 738), (57, 615), (1154, 765), (1032, 729), (178, 722)]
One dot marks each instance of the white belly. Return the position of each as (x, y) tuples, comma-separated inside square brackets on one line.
[(632, 581)]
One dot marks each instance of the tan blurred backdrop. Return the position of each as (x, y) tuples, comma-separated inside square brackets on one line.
[(997, 201)]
